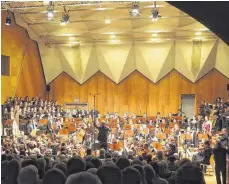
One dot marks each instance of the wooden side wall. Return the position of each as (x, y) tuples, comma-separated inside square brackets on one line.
[(137, 94), (26, 76)]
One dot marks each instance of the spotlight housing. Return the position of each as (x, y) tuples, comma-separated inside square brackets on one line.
[(65, 19), (50, 11), (155, 13), (135, 12), (50, 14), (8, 20)]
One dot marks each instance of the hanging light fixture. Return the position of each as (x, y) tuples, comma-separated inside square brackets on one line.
[(134, 11), (65, 18), (8, 19), (50, 11), (155, 13)]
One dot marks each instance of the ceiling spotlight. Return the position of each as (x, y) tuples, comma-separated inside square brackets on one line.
[(8, 20), (154, 35), (198, 34), (65, 18), (107, 21), (50, 11), (112, 36), (50, 14), (134, 12), (155, 13)]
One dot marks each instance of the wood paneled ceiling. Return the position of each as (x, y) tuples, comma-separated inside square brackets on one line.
[(88, 43), (87, 22)]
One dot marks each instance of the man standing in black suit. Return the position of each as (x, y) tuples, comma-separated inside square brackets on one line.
[(220, 154), (103, 135), (94, 114), (224, 138)]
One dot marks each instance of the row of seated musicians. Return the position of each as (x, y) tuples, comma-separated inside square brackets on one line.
[(71, 125)]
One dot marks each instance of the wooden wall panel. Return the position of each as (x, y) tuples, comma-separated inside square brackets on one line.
[(27, 78), (137, 94)]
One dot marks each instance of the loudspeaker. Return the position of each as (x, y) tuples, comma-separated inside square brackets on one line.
[(48, 88), (227, 87)]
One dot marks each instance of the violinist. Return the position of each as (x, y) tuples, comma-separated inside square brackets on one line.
[(171, 147), (87, 140)]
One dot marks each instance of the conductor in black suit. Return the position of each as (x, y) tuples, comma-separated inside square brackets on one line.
[(103, 135), (220, 154), (224, 138)]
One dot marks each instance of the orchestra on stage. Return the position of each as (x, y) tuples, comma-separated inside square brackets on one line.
[(115, 132)]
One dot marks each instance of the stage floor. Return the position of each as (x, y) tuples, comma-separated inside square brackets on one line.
[(210, 179)]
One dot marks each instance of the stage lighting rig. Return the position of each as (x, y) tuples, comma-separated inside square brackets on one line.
[(155, 13), (50, 11), (134, 11), (8, 19), (65, 18)]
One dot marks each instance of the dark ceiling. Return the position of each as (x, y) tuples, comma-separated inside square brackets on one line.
[(214, 15)]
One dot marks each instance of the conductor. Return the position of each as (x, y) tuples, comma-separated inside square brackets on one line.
[(103, 135)]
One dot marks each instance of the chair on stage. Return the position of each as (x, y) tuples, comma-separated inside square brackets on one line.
[(167, 131), (161, 136), (162, 125), (158, 146), (171, 124), (202, 137), (128, 134), (43, 122)]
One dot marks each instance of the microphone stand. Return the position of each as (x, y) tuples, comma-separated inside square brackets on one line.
[(93, 114)]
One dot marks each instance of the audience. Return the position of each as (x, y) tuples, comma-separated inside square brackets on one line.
[(54, 176), (33, 170), (157, 179), (131, 175)]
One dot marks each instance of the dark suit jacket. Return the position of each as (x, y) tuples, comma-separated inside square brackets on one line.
[(220, 154), (224, 140), (94, 113), (103, 133), (207, 155)]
